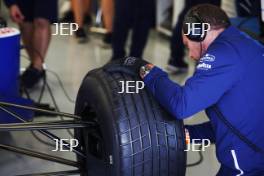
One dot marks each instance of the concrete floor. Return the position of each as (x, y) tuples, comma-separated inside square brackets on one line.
[(71, 61)]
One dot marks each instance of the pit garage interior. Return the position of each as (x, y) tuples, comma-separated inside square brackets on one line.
[(67, 63)]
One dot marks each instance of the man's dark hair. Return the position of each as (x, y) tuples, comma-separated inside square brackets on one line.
[(207, 13)]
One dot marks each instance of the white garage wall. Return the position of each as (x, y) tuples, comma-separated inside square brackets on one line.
[(229, 7), (177, 6), (64, 5)]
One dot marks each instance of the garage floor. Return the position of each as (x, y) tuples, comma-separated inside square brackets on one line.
[(71, 61)]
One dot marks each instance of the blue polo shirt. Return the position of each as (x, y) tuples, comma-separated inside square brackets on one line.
[(229, 75)]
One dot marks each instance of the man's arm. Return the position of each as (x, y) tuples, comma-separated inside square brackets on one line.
[(15, 13), (213, 77)]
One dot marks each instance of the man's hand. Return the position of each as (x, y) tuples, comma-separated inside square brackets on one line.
[(145, 70), (187, 136), (16, 14), (129, 65)]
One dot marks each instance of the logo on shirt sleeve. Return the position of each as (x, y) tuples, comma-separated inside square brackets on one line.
[(203, 66), (207, 58), (205, 62)]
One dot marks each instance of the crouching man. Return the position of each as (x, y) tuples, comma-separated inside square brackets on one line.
[(228, 84)]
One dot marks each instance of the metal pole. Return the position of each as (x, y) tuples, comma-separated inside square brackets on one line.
[(59, 173), (39, 155), (40, 110), (41, 126), (44, 132)]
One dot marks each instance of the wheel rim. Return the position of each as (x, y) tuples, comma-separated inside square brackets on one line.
[(92, 138)]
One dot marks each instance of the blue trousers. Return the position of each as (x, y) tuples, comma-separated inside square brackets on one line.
[(137, 15)]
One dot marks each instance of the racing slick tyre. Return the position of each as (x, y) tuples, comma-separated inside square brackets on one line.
[(132, 136)]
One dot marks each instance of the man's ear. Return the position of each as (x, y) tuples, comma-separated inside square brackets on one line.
[(184, 39)]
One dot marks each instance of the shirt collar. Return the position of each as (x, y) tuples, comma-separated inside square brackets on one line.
[(229, 32)]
